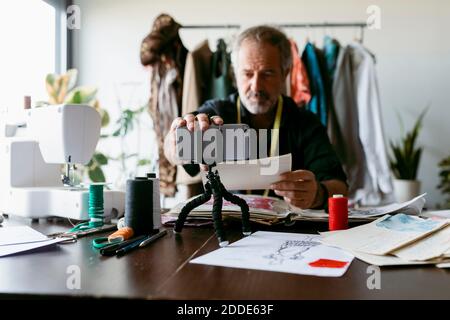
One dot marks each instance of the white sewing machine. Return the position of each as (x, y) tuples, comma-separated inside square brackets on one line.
[(32, 150)]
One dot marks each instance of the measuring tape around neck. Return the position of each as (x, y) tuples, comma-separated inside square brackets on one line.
[(275, 131)]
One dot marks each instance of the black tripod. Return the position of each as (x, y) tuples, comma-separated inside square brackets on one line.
[(215, 188)]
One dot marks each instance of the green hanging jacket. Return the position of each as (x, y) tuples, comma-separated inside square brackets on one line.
[(221, 84)]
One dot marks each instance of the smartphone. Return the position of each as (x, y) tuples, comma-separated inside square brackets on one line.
[(227, 142)]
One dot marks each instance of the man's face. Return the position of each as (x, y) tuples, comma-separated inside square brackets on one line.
[(259, 76)]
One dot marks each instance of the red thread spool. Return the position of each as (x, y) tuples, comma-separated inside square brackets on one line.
[(338, 212)]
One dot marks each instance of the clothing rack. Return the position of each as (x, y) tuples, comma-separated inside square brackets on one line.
[(360, 25), (211, 26), (288, 25)]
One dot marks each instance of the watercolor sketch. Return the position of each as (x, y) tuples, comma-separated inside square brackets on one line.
[(404, 223)]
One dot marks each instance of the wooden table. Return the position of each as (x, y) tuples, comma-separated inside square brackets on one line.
[(162, 271)]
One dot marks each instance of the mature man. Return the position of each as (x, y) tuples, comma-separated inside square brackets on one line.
[(261, 60)]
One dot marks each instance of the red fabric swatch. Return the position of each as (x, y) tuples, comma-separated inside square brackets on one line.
[(326, 263)]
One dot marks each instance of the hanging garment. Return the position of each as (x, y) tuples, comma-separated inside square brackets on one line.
[(318, 102), (164, 43), (299, 83), (196, 77), (327, 87), (331, 49), (163, 108), (163, 52), (358, 133), (221, 73), (196, 90)]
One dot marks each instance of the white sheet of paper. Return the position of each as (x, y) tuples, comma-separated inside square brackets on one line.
[(439, 214), (433, 246), (280, 252), (254, 174), (384, 235), (19, 234), (443, 265), (16, 248), (387, 260), (412, 207)]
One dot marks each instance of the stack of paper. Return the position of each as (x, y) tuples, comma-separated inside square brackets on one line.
[(412, 207), (270, 210), (264, 210), (22, 238), (396, 240)]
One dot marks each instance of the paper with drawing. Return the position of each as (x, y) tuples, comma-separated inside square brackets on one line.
[(384, 235), (281, 252)]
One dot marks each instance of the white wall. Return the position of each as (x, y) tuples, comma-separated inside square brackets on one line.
[(412, 51)]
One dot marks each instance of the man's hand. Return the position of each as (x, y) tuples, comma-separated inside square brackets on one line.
[(191, 122), (300, 189)]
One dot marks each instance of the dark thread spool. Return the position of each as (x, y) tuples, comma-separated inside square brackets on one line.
[(139, 205), (338, 213)]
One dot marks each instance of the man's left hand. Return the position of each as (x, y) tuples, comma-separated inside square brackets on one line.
[(299, 188)]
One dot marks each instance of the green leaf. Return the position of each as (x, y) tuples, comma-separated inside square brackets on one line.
[(81, 95), (50, 79), (415, 163), (96, 174), (105, 117), (75, 98), (51, 87), (125, 123), (73, 75), (406, 156), (100, 158), (117, 132), (144, 162)]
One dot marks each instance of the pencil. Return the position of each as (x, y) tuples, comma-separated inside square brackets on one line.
[(152, 238)]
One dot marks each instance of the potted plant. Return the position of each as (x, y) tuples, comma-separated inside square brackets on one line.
[(405, 163), (61, 89)]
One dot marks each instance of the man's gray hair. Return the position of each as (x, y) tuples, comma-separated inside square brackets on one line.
[(265, 34)]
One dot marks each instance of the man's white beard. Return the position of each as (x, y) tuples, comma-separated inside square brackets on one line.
[(257, 108), (253, 106)]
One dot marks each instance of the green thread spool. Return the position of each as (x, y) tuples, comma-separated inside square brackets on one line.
[(95, 211)]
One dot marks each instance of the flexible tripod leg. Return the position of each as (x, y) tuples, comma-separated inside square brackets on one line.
[(244, 209), (191, 205), (217, 217)]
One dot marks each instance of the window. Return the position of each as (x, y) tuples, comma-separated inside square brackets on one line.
[(29, 50)]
